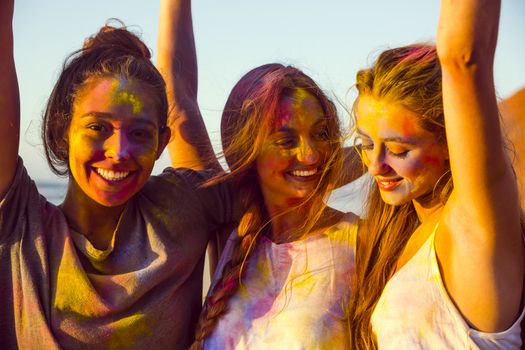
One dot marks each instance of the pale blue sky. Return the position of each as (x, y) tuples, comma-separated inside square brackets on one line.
[(329, 40)]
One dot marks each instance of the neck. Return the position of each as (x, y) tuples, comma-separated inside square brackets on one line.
[(288, 221), (89, 218), (426, 206), (287, 218)]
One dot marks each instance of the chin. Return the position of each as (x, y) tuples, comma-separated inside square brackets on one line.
[(114, 200), (394, 199)]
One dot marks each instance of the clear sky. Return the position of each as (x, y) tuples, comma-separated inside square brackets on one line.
[(329, 40)]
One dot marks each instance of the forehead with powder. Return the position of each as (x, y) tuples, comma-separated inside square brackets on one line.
[(380, 117), (292, 105), (122, 91)]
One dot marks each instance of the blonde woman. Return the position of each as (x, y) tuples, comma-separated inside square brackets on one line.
[(441, 256)]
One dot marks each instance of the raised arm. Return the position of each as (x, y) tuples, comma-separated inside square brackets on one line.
[(480, 247), (9, 99), (190, 145)]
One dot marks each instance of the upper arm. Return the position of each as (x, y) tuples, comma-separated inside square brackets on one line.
[(9, 99), (190, 145), (480, 243), (482, 174), (216, 246)]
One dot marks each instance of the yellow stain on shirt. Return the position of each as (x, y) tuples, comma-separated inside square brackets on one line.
[(127, 330)]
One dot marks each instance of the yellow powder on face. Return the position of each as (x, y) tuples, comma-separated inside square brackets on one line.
[(123, 97)]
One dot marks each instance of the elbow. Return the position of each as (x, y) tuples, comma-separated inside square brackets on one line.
[(465, 58)]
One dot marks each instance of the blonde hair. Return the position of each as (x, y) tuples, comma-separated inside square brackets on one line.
[(409, 76), (247, 121)]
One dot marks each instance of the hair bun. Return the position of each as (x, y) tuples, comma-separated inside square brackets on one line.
[(117, 38)]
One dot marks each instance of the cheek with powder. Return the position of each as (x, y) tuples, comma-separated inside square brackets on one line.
[(432, 160), (270, 164), (81, 144), (409, 167), (142, 154)]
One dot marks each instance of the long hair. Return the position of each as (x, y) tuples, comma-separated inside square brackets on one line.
[(409, 76), (112, 52), (247, 121)]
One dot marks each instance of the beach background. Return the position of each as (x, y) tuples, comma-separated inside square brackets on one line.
[(329, 40)]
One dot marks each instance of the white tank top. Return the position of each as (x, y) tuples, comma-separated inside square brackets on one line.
[(293, 296), (416, 312)]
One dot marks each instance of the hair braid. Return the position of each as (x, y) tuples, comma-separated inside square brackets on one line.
[(247, 120), (216, 303)]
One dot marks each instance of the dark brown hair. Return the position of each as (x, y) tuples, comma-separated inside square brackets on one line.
[(112, 52)]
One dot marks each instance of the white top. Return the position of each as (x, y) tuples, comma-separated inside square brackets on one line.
[(293, 295), (416, 312)]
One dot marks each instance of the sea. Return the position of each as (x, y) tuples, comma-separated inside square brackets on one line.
[(54, 191), (348, 198)]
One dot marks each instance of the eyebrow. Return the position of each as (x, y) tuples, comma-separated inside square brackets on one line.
[(104, 115), (389, 139), (321, 120)]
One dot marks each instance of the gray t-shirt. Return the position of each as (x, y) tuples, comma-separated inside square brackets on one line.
[(143, 292)]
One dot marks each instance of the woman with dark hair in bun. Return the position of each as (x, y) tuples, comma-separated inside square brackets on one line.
[(119, 263)]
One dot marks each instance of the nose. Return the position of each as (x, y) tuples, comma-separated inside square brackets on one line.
[(375, 161), (117, 146), (307, 152)]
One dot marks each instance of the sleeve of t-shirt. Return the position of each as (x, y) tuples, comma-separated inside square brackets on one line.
[(216, 202), (15, 205)]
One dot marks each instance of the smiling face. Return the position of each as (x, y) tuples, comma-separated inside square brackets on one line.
[(113, 140), (293, 156), (405, 159)]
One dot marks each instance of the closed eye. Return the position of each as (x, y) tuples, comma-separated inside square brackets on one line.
[(285, 142), (398, 154)]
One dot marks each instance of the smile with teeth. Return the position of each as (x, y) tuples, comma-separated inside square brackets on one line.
[(111, 175), (304, 173), (388, 184)]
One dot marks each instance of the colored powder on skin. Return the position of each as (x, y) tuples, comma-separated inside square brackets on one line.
[(431, 160), (126, 97), (407, 127), (282, 119), (290, 105), (122, 96)]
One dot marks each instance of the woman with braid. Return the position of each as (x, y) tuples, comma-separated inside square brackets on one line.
[(283, 278), (440, 259)]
